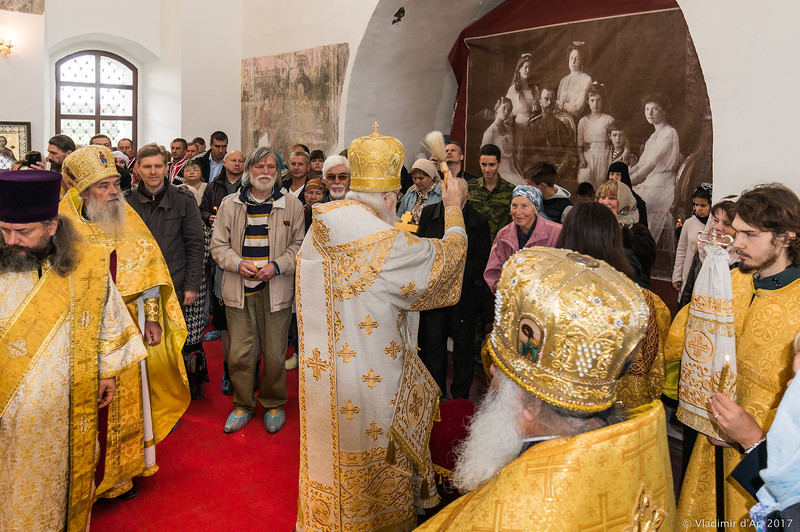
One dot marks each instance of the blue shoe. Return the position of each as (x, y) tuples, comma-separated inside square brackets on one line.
[(235, 422), (274, 423), (212, 335)]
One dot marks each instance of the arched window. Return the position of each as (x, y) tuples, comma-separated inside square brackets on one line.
[(96, 92)]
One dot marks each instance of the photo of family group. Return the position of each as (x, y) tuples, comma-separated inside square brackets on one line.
[(584, 95)]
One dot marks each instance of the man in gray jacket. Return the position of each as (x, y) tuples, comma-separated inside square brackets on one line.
[(257, 234)]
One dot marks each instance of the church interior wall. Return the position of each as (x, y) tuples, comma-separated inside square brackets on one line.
[(189, 54)]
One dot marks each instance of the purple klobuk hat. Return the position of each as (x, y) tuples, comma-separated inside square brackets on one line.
[(28, 196)]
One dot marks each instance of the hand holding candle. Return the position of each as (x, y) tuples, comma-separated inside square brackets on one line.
[(724, 375)]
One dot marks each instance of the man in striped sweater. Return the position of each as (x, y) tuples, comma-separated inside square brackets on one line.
[(257, 234)]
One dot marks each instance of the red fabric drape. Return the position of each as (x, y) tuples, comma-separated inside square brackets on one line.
[(516, 15)]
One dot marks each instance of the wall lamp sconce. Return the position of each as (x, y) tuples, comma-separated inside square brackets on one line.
[(5, 46)]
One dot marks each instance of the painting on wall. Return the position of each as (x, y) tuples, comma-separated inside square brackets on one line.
[(35, 7), (293, 98), (15, 142), (585, 94)]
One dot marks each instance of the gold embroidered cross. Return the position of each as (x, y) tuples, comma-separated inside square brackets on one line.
[(497, 521), (415, 403), (554, 465), (697, 346), (373, 431), (17, 348), (405, 223), (408, 290), (370, 378), (367, 325), (85, 319), (349, 410), (392, 350), (317, 365), (346, 353)]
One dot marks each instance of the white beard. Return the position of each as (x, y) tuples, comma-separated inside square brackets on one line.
[(110, 217), (262, 187), (494, 438)]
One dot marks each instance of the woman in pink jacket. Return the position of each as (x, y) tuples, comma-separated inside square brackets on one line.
[(527, 229)]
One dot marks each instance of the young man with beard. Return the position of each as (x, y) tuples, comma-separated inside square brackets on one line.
[(257, 233), (766, 288), (366, 400), (97, 209), (547, 449), (66, 335)]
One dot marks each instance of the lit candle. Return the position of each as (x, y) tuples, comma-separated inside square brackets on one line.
[(725, 370)]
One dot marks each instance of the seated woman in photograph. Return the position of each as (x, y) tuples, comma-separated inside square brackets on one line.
[(528, 228), (592, 229), (635, 237), (594, 148), (426, 189), (573, 87), (654, 176)]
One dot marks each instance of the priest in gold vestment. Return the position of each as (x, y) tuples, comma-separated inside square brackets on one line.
[(766, 312), (64, 335), (367, 403), (547, 448), (152, 397)]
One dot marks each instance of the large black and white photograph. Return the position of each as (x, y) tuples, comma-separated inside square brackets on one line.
[(584, 95)]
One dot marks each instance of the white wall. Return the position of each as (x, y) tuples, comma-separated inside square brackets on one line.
[(749, 56), (211, 69), (22, 74)]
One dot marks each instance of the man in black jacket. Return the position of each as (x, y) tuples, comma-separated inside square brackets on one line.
[(172, 216), (458, 321)]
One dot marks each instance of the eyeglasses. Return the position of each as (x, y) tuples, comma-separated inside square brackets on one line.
[(340, 177)]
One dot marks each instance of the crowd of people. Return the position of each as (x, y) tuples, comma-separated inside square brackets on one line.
[(116, 260)]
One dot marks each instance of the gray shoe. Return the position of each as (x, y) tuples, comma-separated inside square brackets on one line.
[(274, 423), (292, 362), (235, 422)]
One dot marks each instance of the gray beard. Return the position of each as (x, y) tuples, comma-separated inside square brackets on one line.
[(494, 437), (110, 218)]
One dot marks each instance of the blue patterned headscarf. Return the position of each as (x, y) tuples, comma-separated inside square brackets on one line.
[(532, 193)]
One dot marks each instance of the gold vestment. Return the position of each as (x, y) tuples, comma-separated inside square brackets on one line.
[(140, 265), (367, 404), (764, 330), (615, 478), (80, 331)]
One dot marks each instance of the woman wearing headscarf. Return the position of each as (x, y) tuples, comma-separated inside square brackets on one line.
[(635, 237), (528, 228), (618, 171), (425, 190)]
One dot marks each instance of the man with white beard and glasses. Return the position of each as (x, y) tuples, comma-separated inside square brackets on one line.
[(547, 448), (336, 174), (257, 233), (96, 207)]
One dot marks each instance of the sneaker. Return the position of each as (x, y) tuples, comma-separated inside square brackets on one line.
[(235, 422), (210, 336), (291, 363), (274, 423)]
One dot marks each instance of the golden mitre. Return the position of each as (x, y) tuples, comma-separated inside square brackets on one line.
[(375, 163), (566, 326), (89, 165)]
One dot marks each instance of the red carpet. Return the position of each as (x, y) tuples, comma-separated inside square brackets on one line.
[(209, 480)]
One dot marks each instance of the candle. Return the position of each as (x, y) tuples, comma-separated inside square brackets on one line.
[(725, 370)]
